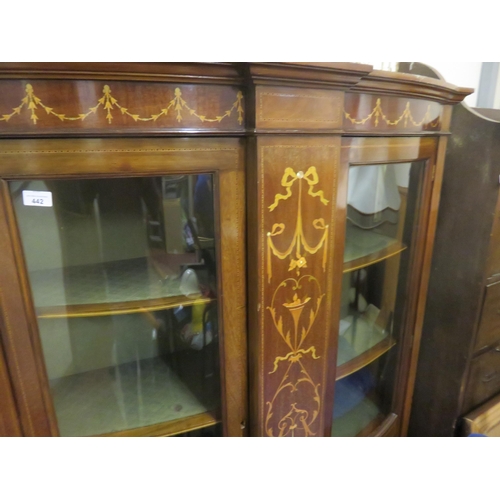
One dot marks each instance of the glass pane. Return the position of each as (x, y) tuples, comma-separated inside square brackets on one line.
[(383, 204), (123, 278)]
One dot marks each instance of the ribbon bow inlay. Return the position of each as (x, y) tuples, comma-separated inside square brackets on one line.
[(289, 177)]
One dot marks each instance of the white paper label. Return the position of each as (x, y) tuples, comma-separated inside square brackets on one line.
[(37, 198)]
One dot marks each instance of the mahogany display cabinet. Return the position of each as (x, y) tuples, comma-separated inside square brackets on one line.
[(208, 249)]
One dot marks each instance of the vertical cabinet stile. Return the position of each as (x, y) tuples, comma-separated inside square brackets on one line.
[(232, 225), (297, 204), (292, 176)]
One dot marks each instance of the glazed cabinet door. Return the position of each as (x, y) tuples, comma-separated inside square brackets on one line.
[(130, 259), (384, 198)]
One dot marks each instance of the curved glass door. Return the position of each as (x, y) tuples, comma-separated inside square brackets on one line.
[(123, 278), (383, 205)]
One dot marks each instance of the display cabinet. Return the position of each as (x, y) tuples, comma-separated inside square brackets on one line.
[(167, 228)]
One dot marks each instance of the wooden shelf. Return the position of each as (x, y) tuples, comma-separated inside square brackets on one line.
[(108, 309), (120, 287), (360, 345), (172, 428), (147, 397), (365, 247)]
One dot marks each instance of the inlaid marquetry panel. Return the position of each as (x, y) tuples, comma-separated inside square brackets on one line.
[(298, 108), (297, 179), (376, 113), (84, 106)]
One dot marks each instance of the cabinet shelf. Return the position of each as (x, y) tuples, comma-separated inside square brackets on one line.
[(112, 308), (172, 428), (137, 396), (364, 247), (360, 345), (120, 287)]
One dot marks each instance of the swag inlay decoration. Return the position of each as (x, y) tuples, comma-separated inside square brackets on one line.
[(407, 116), (299, 242), (109, 103)]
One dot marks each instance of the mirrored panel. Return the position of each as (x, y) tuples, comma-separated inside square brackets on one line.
[(123, 278), (382, 221)]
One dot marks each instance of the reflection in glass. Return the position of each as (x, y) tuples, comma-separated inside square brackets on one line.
[(123, 278), (382, 208)]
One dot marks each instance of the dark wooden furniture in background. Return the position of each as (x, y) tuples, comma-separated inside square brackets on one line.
[(292, 132), (459, 364)]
